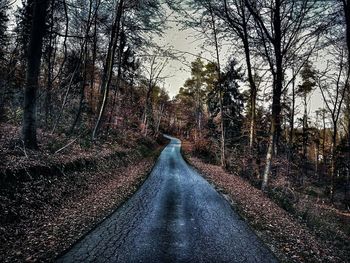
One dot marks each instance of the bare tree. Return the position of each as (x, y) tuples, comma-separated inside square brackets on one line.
[(238, 19), (109, 63), (332, 85), (281, 37), (222, 123), (154, 76)]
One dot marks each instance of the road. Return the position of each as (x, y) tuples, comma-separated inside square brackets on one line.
[(176, 216)]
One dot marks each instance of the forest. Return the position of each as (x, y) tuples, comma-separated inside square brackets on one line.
[(267, 99)]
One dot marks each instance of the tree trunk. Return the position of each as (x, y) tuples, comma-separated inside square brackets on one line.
[(147, 115), (291, 131), (92, 77), (161, 110), (82, 90), (253, 91), (85, 59), (108, 69), (269, 155), (346, 8), (119, 75), (222, 123), (33, 71), (305, 139), (317, 153), (276, 99), (241, 30), (347, 182), (333, 159), (50, 61)]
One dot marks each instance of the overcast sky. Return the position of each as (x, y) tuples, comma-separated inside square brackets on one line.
[(184, 41)]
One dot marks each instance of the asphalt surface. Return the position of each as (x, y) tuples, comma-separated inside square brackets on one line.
[(176, 216)]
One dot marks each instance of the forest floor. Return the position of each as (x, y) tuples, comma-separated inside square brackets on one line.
[(289, 236), (49, 200)]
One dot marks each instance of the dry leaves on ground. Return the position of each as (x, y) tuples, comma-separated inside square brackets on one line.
[(289, 240)]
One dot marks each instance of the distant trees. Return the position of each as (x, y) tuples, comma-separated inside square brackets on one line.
[(197, 88), (231, 111), (205, 103), (3, 27), (156, 68)]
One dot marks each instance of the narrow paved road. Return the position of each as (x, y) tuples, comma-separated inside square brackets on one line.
[(176, 216)]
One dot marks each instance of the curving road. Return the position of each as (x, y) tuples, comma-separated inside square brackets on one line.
[(176, 216)]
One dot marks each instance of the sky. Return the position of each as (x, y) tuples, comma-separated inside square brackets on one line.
[(179, 40), (176, 71)]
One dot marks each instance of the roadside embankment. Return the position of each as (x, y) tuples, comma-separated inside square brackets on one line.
[(45, 208), (289, 239)]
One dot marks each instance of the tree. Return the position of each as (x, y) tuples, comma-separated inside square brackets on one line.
[(333, 86), (222, 123), (156, 68), (3, 26), (3, 44), (33, 71), (282, 37), (195, 86), (232, 103), (238, 18), (346, 13), (109, 63), (308, 76)]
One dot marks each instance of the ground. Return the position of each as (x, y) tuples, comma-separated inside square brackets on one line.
[(48, 201), (288, 237)]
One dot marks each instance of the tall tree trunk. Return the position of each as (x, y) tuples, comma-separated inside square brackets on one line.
[(333, 159), (253, 97), (147, 108), (92, 77), (275, 129), (346, 8), (161, 110), (119, 75), (147, 114), (241, 30), (269, 154), (85, 61), (347, 186), (292, 113), (49, 68), (82, 90), (33, 71), (253, 90), (108, 68), (317, 153), (305, 140), (222, 123)]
